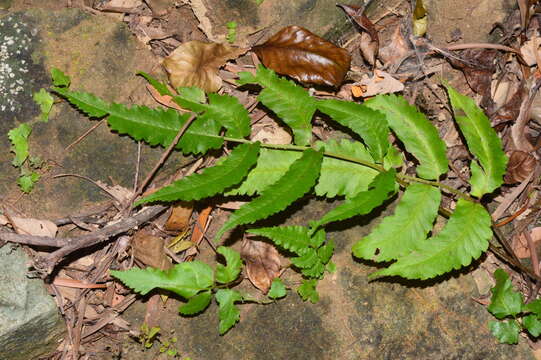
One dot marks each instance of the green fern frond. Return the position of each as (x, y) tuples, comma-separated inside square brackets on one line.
[(271, 166), (364, 202), (369, 124), (212, 180), (279, 195), (463, 239), (483, 143), (343, 178), (292, 238), (88, 103), (419, 136), (290, 102), (397, 234), (156, 84)]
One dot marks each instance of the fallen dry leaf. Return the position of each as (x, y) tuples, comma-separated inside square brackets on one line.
[(296, 52), (33, 226), (380, 83), (262, 263), (148, 249), (520, 166), (395, 50), (179, 219), (196, 63), (520, 244), (369, 38)]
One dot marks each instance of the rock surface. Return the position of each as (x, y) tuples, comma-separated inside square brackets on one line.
[(30, 325)]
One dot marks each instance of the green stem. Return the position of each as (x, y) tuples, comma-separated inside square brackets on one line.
[(402, 179)]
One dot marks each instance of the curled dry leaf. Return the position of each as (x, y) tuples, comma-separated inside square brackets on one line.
[(369, 38), (520, 244), (395, 50), (296, 52), (33, 227), (380, 83), (148, 249), (520, 166), (262, 263), (196, 63), (179, 219)]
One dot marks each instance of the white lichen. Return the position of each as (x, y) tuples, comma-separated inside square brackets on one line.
[(15, 38)]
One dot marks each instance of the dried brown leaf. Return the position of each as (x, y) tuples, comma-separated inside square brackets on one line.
[(196, 63), (380, 83), (148, 249), (296, 52), (33, 227), (520, 244), (262, 263), (179, 219), (520, 166), (395, 50), (369, 38)]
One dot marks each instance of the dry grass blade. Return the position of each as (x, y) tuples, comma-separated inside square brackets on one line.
[(262, 263), (196, 63), (296, 52)]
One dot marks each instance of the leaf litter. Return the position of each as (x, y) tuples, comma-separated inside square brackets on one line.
[(312, 60)]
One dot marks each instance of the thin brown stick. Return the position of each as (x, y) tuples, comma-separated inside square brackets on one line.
[(85, 134), (47, 264)]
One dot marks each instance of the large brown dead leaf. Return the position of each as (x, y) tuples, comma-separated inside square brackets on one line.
[(395, 50), (33, 227), (196, 63), (296, 52), (369, 38), (262, 263)]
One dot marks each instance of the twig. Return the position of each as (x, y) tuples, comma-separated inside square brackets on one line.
[(69, 245), (85, 134)]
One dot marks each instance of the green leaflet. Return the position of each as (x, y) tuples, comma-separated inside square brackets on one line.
[(277, 289), (505, 301), (229, 273), (59, 78), (228, 312), (419, 136), (464, 238), (293, 238), (185, 279), (19, 143), (211, 181), (45, 101), (279, 195), (397, 234), (88, 103), (370, 125), (307, 290), (483, 143), (154, 126), (196, 304), (271, 166), (290, 102), (156, 84), (224, 109), (340, 177), (505, 331), (364, 202), (337, 177)]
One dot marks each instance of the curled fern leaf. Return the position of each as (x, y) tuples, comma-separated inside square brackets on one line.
[(364, 202), (212, 180), (419, 136), (397, 234), (464, 238), (483, 142), (369, 124), (279, 195), (290, 102)]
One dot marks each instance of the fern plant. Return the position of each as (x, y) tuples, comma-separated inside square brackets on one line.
[(362, 171)]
